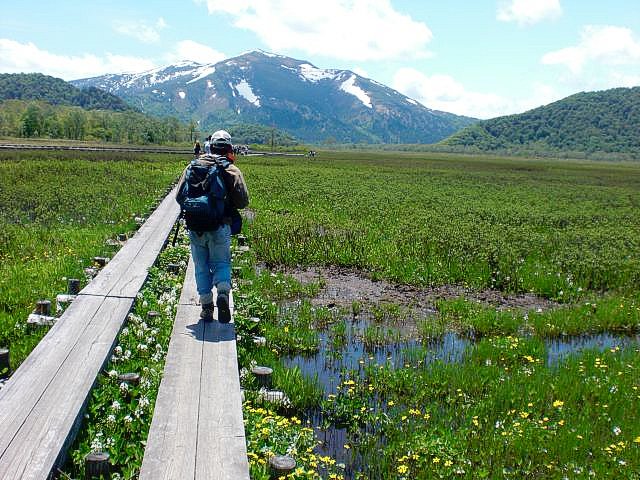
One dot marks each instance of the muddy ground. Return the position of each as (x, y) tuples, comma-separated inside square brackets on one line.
[(345, 286)]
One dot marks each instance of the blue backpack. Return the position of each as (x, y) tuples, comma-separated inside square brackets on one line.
[(203, 197)]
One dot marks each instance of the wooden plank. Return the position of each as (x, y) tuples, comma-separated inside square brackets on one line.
[(49, 427), (124, 275), (222, 452), (197, 429), (189, 295)]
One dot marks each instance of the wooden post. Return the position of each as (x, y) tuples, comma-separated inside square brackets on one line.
[(152, 314), (173, 268), (122, 237), (101, 261), (4, 363), (131, 378), (281, 466), (73, 286), (263, 376), (96, 465), (242, 240), (43, 307)]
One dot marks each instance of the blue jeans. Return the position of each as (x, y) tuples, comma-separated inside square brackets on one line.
[(211, 254)]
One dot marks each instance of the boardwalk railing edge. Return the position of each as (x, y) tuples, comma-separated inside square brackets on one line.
[(42, 403)]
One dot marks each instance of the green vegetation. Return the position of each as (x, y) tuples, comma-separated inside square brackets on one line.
[(56, 211), (605, 122), (556, 229), (37, 119), (36, 86)]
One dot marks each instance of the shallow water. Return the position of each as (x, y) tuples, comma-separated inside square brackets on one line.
[(328, 363)]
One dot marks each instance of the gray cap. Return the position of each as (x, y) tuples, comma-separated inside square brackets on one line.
[(221, 138)]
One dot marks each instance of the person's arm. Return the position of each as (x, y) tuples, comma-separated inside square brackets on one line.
[(236, 187)]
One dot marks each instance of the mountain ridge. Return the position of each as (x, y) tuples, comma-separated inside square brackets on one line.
[(313, 104), (606, 121)]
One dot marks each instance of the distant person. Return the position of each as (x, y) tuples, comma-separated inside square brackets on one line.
[(206, 179), (196, 149), (207, 145)]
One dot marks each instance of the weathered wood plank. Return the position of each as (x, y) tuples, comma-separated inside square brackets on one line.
[(126, 272), (222, 453), (189, 295), (197, 429), (44, 433)]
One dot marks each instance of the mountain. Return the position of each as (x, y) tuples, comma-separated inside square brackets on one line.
[(604, 122), (312, 104), (36, 86)]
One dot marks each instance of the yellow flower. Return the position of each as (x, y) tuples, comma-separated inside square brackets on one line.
[(391, 403), (403, 469), (347, 446), (448, 463), (636, 440), (558, 403), (436, 460)]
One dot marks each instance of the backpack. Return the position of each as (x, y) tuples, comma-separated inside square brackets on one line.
[(203, 197)]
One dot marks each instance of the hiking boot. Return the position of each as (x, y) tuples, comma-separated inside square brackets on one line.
[(224, 314), (207, 312)]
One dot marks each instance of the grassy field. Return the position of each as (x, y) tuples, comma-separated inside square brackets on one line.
[(56, 211), (564, 230), (550, 227)]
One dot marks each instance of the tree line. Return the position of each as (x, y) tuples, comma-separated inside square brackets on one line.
[(38, 119)]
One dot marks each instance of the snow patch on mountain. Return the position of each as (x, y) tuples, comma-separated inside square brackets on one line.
[(202, 72), (350, 87), (182, 95), (245, 90), (313, 74)]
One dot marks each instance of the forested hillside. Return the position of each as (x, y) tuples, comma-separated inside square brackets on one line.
[(36, 86), (606, 121), (37, 119)]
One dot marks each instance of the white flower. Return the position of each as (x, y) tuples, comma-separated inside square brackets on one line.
[(617, 431), (128, 419), (143, 402), (127, 354), (124, 387), (113, 373), (111, 418), (125, 331), (118, 350), (142, 347), (115, 406)]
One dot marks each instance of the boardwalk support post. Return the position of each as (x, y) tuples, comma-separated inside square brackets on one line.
[(96, 465), (281, 466)]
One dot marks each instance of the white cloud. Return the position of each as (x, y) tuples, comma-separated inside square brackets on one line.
[(141, 30), (194, 51), (16, 57), (345, 29), (443, 92), (599, 44), (527, 12)]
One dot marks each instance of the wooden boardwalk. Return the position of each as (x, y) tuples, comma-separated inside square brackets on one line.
[(197, 431), (42, 403)]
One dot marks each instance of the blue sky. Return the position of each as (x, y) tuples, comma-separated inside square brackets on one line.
[(481, 58)]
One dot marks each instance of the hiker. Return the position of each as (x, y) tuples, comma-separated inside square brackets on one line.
[(216, 181), (196, 149), (207, 145)]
